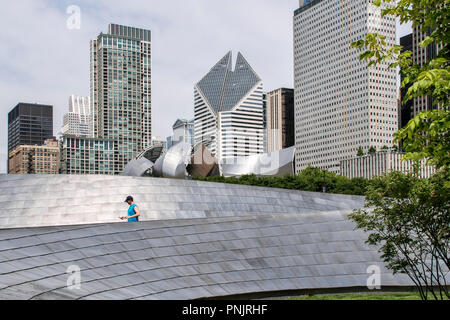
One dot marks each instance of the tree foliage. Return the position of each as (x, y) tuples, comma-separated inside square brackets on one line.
[(409, 220), (427, 136), (310, 179), (431, 79), (360, 152), (408, 217)]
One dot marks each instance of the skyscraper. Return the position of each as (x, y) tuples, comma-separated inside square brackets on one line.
[(405, 109), (79, 121), (121, 90), (229, 114), (420, 56), (340, 103), (280, 119), (29, 124)]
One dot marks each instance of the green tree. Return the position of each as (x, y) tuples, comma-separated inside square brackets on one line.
[(408, 219), (310, 179), (372, 150), (360, 152), (431, 79), (427, 136)]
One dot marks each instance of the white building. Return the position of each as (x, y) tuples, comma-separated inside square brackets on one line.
[(379, 163), (183, 131), (229, 115), (158, 141), (340, 103), (79, 121)]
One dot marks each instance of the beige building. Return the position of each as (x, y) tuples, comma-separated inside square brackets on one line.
[(340, 103), (379, 163), (27, 159), (280, 119)]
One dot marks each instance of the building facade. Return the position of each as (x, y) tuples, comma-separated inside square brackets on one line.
[(183, 131), (379, 163), (121, 90), (340, 103), (79, 121), (158, 141), (35, 159), (405, 109), (29, 124), (88, 156), (229, 115), (280, 119), (421, 56)]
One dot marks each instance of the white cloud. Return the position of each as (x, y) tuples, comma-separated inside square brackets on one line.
[(42, 61)]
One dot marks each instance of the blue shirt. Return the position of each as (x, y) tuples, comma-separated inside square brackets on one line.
[(132, 213)]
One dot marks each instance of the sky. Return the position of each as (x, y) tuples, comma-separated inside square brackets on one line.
[(44, 61)]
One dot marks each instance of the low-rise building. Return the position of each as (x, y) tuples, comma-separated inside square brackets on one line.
[(379, 163), (88, 156), (35, 159)]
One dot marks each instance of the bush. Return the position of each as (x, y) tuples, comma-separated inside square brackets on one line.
[(310, 179)]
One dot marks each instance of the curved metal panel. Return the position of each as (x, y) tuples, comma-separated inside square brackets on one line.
[(274, 164), (203, 163), (137, 167), (173, 163), (152, 153), (157, 168)]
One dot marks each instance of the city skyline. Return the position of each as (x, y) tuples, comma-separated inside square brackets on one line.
[(52, 62)]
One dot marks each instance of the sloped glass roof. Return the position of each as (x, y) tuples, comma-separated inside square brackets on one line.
[(223, 87)]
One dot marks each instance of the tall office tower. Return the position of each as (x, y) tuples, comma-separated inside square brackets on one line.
[(340, 103), (229, 115), (421, 56), (79, 121), (280, 119), (29, 124), (121, 89), (265, 121), (405, 109)]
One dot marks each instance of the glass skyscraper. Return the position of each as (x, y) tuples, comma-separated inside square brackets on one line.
[(121, 90), (29, 124)]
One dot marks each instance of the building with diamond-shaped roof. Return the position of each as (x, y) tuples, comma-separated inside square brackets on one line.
[(229, 115)]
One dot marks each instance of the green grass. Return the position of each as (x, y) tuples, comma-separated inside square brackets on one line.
[(362, 296)]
